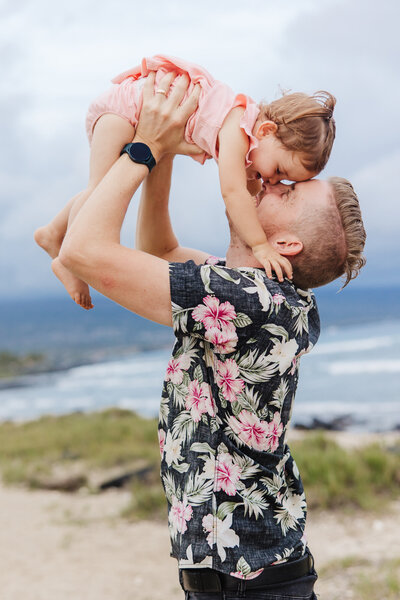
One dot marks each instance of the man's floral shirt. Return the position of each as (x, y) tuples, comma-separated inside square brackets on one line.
[(235, 498)]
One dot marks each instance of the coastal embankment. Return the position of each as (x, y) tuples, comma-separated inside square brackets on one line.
[(108, 539)]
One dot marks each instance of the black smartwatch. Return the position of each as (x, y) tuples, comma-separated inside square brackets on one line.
[(139, 153)]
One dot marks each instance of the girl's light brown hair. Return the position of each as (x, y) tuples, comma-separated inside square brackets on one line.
[(305, 125)]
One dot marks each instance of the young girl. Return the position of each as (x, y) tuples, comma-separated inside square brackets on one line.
[(288, 139)]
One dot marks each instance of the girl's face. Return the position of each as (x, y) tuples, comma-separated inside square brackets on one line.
[(274, 163)]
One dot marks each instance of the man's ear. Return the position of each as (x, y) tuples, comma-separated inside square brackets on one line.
[(265, 128), (286, 244)]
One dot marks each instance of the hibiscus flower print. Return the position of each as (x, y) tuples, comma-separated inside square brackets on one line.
[(251, 575), (227, 473), (243, 570), (255, 433), (172, 448), (213, 314), (219, 532), (175, 369), (181, 513), (283, 353), (224, 340), (161, 441), (199, 400), (250, 429), (278, 299), (274, 431), (227, 378), (212, 260), (293, 509)]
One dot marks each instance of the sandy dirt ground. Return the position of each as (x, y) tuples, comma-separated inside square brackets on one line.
[(56, 546)]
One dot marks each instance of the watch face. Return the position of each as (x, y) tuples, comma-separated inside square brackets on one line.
[(140, 152)]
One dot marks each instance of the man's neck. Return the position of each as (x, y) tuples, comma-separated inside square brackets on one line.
[(239, 255)]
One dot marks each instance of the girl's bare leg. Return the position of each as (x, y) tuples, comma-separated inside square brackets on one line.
[(111, 133), (50, 237), (76, 288)]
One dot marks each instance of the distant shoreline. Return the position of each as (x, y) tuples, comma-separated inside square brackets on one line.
[(113, 358), (298, 430), (64, 361)]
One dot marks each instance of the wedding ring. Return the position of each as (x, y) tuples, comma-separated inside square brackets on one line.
[(160, 91)]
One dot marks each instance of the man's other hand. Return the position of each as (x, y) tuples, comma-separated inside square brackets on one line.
[(164, 115)]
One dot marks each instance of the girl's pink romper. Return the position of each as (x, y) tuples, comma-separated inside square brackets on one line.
[(125, 99)]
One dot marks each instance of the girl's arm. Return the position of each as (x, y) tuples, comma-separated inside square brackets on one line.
[(154, 233), (233, 146)]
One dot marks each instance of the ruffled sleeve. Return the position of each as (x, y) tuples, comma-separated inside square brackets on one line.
[(247, 121), (167, 63)]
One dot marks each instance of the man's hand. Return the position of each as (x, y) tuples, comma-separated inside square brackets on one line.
[(163, 116)]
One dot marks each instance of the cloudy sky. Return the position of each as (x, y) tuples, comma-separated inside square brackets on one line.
[(56, 57)]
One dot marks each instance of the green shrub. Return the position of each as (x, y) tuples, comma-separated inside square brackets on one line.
[(147, 502), (364, 578), (333, 477), (99, 440)]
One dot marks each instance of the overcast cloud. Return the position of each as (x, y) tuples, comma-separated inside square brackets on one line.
[(56, 58)]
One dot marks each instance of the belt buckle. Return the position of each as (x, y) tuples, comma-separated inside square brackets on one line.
[(200, 580)]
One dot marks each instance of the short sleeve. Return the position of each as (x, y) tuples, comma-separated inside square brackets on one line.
[(225, 307), (247, 122)]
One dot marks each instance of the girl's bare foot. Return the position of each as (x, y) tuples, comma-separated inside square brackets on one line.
[(49, 238), (76, 288)]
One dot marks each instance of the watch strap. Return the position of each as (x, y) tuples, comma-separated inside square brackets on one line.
[(139, 153)]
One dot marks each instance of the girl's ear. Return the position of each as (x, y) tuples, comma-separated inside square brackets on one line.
[(265, 128)]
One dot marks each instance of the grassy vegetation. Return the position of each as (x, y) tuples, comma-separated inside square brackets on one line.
[(98, 440), (333, 477), (147, 501), (366, 579), (79, 443), (12, 365)]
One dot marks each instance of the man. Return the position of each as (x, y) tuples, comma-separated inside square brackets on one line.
[(235, 497)]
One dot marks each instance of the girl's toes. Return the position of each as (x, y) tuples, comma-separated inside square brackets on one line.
[(77, 298)]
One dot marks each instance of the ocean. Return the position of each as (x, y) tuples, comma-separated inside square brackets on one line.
[(109, 357)]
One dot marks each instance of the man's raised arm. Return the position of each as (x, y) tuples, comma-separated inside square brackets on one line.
[(154, 233), (92, 248)]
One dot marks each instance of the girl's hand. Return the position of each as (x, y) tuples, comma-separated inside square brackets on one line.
[(271, 260), (163, 116)]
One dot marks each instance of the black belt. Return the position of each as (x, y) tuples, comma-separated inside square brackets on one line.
[(209, 580)]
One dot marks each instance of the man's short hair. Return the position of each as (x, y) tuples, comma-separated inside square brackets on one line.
[(333, 239)]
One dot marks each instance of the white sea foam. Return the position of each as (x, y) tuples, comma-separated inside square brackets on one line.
[(339, 386), (80, 402), (111, 383), (18, 405), (355, 345), (356, 367), (43, 403), (12, 407), (338, 407), (144, 406), (129, 367)]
